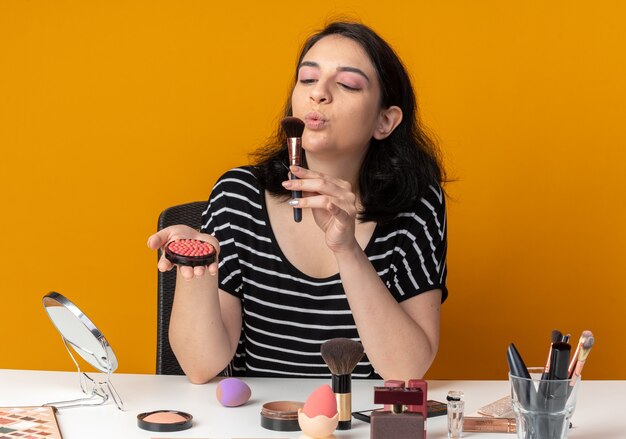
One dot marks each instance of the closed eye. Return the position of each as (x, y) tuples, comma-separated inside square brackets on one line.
[(347, 87)]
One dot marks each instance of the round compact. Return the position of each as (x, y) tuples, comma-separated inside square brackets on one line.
[(281, 415), (164, 421), (190, 252)]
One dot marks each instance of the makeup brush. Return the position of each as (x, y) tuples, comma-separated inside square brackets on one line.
[(555, 337), (341, 355), (293, 128), (559, 359), (585, 347), (572, 365)]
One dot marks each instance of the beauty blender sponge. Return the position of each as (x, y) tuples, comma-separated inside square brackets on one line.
[(319, 417), (232, 392), (321, 402)]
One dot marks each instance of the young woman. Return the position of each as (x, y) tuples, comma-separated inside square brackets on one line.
[(368, 259)]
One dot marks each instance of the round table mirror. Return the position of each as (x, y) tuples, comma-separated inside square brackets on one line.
[(84, 338)]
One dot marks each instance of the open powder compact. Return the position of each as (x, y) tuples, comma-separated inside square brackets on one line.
[(164, 421), (190, 252), (281, 415)]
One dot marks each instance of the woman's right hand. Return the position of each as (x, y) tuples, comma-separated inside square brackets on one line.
[(163, 236)]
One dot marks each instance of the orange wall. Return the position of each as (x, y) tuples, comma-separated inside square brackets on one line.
[(112, 111)]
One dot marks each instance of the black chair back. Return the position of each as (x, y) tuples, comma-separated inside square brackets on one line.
[(188, 214)]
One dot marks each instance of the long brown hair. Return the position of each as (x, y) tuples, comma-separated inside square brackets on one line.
[(397, 170)]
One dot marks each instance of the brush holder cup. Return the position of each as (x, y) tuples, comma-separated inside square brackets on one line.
[(543, 408)]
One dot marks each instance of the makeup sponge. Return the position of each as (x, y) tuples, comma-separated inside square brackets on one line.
[(319, 417), (321, 402), (232, 392)]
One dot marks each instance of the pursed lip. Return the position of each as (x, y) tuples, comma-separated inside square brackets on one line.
[(315, 120)]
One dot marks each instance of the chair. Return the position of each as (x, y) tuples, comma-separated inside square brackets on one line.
[(188, 214)]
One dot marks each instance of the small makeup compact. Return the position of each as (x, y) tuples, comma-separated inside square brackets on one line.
[(190, 252), (281, 415), (164, 421)]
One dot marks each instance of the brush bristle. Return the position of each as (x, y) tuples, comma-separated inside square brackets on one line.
[(587, 333), (556, 335), (341, 355), (292, 126), (588, 342)]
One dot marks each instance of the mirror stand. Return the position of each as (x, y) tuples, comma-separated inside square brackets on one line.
[(98, 392)]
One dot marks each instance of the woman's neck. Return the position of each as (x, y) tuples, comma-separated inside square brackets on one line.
[(345, 168)]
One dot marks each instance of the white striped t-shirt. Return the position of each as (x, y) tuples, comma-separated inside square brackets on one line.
[(287, 315)]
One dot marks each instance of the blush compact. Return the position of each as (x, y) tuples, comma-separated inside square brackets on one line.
[(190, 252), (164, 421)]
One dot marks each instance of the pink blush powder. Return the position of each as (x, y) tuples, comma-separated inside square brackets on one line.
[(164, 421), (190, 252), (164, 418), (191, 247)]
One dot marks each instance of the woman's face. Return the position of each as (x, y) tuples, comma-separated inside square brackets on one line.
[(337, 95)]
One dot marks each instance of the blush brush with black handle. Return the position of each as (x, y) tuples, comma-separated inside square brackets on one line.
[(342, 355), (293, 128)]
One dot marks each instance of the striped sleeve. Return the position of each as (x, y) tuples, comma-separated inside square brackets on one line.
[(416, 246), (217, 220)]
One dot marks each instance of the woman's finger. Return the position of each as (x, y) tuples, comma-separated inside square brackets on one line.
[(323, 202), (199, 270), (164, 265), (315, 182), (159, 239), (186, 272)]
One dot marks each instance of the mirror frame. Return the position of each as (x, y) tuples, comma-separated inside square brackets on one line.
[(111, 359)]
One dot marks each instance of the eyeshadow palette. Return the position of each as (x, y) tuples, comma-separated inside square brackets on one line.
[(29, 423)]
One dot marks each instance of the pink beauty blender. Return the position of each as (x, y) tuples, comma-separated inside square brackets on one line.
[(232, 392), (321, 402), (319, 418)]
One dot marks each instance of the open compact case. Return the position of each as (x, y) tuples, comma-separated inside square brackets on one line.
[(79, 333)]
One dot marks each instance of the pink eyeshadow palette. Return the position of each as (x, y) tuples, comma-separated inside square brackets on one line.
[(190, 252), (29, 423)]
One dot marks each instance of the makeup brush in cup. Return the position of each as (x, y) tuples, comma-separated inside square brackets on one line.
[(584, 337), (341, 355), (555, 337), (586, 343), (293, 128)]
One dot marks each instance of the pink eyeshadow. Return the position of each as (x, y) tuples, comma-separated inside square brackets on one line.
[(164, 418), (191, 247)]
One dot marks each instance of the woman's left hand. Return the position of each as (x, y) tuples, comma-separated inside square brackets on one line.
[(332, 203)]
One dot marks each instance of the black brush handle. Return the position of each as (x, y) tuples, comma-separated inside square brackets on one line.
[(559, 361), (342, 388), (555, 391), (517, 368), (297, 212)]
